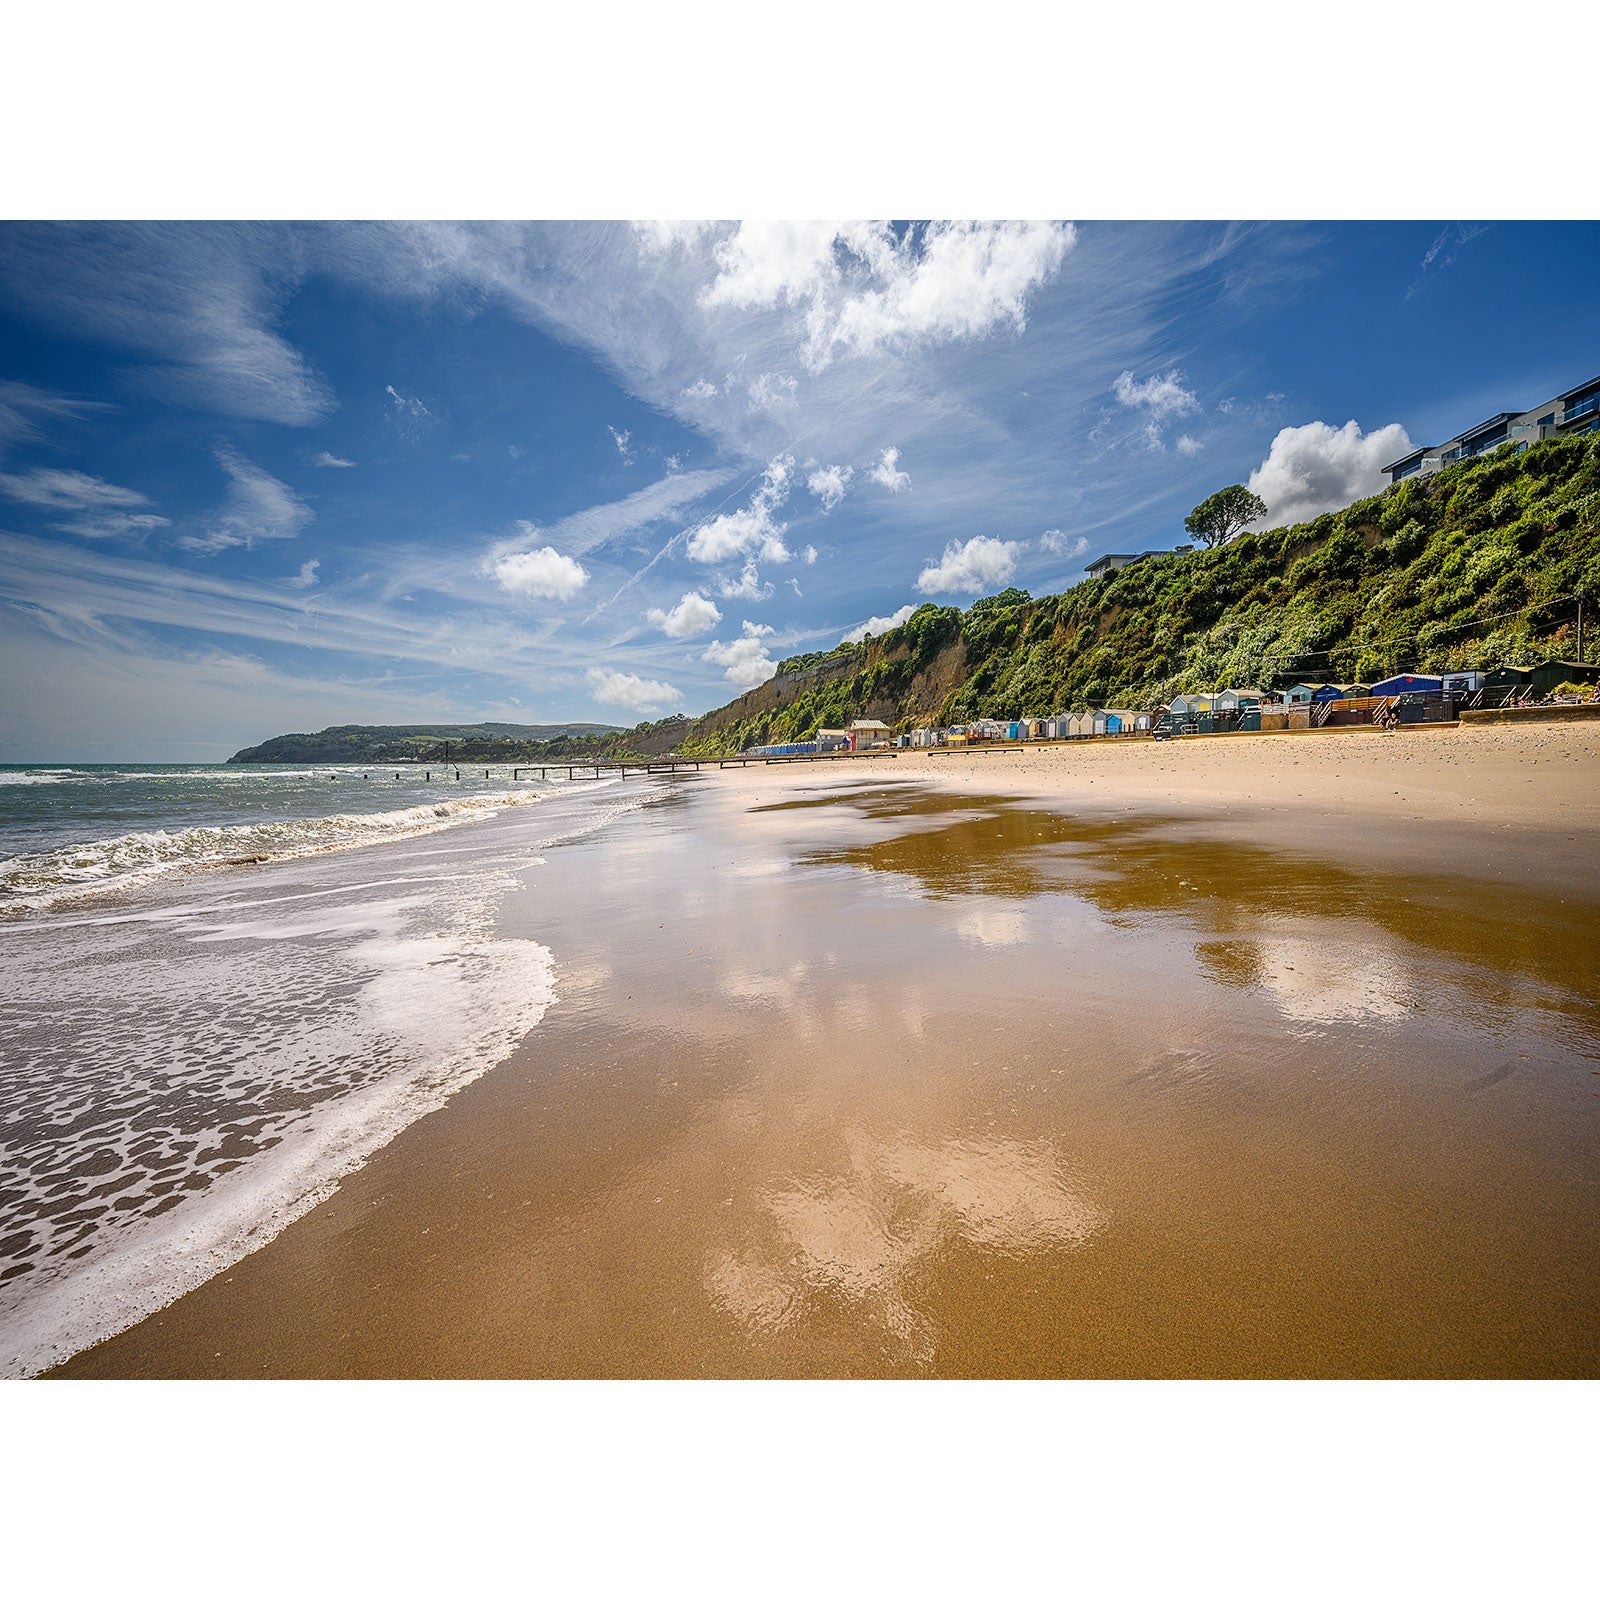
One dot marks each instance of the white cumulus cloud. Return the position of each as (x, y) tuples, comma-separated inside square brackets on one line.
[(774, 389), (307, 575), (1062, 544), (1162, 395), (620, 438), (326, 458), (829, 484), (544, 573), (744, 660), (747, 586), (877, 625), (862, 286), (608, 687), (1317, 467), (754, 529), (981, 563), (1189, 445), (693, 614), (888, 473)]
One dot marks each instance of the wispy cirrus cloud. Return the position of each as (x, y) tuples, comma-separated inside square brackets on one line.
[(94, 508), (197, 302), (1448, 245), (25, 408), (258, 508), (56, 489)]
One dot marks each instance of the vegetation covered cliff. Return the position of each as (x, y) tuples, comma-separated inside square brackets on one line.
[(1471, 567)]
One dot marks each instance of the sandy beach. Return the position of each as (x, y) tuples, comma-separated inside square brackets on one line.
[(1268, 1056)]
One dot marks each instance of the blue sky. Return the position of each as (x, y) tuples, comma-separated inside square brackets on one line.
[(261, 478)]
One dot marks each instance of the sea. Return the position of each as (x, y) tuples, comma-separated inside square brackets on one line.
[(224, 987)]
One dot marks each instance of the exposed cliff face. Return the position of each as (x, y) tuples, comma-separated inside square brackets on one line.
[(1472, 567)]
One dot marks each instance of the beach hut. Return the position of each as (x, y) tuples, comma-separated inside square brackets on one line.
[(1505, 683), (1301, 694), (831, 739), (1340, 691), (1119, 720), (1407, 683), (1239, 700), (867, 733), (1544, 678)]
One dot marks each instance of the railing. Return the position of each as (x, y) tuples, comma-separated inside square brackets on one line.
[(1582, 409)]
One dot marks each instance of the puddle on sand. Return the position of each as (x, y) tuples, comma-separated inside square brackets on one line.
[(1311, 932)]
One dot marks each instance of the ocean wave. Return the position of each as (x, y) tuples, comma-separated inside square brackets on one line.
[(44, 878), (338, 1031)]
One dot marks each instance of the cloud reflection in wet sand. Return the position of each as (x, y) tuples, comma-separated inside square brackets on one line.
[(859, 1240)]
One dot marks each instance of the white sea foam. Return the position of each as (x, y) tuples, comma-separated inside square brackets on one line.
[(181, 1080), (430, 1013), (46, 877)]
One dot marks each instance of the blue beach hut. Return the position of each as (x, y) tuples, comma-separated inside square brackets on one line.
[(1408, 683)]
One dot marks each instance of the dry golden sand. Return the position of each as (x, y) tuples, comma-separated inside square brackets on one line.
[(1228, 1057)]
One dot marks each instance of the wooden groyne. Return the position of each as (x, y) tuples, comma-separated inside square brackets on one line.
[(577, 770)]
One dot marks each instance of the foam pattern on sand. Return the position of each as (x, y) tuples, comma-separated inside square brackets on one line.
[(186, 1073)]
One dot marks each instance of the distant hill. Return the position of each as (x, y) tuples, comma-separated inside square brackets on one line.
[(416, 741), (1475, 566)]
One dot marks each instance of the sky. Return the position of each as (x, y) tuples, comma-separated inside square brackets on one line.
[(263, 478)]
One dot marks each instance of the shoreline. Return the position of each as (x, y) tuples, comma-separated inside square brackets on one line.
[(731, 1146)]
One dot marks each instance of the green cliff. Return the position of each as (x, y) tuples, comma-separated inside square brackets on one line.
[(1471, 567)]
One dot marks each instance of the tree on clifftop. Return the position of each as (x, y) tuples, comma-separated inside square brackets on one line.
[(1226, 513)]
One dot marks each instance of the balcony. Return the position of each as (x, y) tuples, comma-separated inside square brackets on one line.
[(1582, 409)]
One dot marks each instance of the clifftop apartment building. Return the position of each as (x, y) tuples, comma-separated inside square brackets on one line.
[(1576, 411)]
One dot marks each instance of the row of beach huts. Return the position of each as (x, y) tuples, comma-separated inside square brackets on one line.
[(1406, 697)]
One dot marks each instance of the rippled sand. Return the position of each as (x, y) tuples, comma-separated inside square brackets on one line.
[(855, 1075)]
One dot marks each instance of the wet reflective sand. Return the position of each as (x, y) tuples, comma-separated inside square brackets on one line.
[(876, 1080)]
